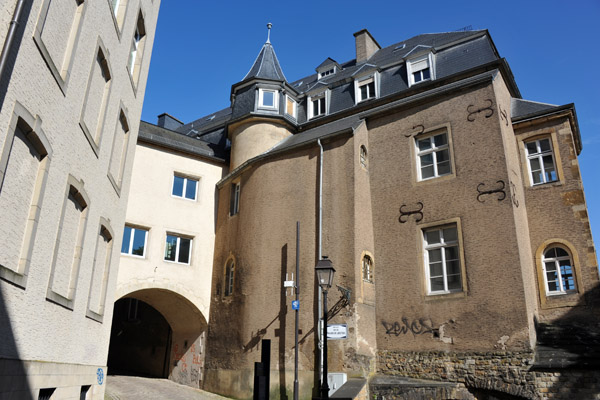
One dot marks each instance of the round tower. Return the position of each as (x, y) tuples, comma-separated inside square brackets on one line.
[(264, 108)]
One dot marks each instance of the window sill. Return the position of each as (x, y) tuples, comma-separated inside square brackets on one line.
[(133, 256), (176, 262), (184, 198), (440, 178), (445, 296), (559, 300), (546, 185)]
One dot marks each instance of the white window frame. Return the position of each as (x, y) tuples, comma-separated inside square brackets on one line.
[(433, 150), (415, 65), (327, 72), (234, 204), (318, 97), (261, 93), (178, 246), (294, 106), (359, 83), (185, 182), (539, 155), (130, 247), (442, 246), (556, 260)]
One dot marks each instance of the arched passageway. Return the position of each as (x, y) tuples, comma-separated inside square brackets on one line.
[(157, 333)]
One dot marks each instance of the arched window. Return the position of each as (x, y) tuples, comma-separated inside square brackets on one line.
[(229, 277), (363, 156), (367, 269), (558, 271)]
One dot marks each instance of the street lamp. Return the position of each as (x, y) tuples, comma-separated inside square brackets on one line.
[(325, 274)]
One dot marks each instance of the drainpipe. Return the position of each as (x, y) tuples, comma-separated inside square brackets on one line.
[(319, 256), (10, 37)]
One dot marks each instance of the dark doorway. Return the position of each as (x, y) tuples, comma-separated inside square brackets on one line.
[(140, 340)]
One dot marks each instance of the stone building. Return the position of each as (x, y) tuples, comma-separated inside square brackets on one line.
[(452, 209), (72, 82)]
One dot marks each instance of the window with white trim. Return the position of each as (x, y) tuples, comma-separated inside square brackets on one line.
[(328, 72), (433, 155), (186, 188), (366, 89), (540, 160), (442, 259), (367, 269), (559, 276), (291, 107), (419, 70), (234, 200), (317, 105), (229, 277), (268, 98), (178, 249), (134, 241)]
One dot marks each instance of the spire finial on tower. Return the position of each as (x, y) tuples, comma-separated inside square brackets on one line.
[(269, 25)]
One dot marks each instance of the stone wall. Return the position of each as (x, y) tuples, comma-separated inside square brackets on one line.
[(485, 373)]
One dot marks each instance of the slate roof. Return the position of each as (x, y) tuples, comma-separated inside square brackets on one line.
[(266, 65), (154, 134), (455, 52), (520, 108)]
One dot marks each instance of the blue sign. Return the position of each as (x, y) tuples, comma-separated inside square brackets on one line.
[(295, 304), (100, 374)]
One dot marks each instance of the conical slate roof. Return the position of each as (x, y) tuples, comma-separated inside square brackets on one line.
[(266, 65)]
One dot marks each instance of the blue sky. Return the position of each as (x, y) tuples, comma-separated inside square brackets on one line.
[(202, 48)]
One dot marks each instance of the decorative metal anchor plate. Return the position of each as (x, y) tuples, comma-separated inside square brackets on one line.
[(474, 111), (405, 214), (500, 191)]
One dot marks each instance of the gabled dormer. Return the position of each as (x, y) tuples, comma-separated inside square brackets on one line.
[(420, 64), (327, 68)]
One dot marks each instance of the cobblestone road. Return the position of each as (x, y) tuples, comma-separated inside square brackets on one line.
[(136, 388)]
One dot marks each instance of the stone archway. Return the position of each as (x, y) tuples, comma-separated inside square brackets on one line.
[(160, 333)]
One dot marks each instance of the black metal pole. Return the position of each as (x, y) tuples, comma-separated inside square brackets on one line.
[(325, 385), (297, 310)]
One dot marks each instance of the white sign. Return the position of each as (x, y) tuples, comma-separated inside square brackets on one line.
[(337, 331)]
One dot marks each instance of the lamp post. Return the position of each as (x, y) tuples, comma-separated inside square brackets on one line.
[(325, 272)]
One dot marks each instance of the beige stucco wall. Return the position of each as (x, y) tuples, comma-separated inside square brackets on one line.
[(152, 206), (36, 331), (252, 138)]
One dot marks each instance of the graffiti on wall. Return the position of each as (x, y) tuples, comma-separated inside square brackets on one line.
[(418, 326), (188, 362)]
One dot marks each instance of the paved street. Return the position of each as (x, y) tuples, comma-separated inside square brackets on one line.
[(136, 388)]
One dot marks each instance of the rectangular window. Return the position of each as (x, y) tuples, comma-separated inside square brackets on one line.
[(178, 249), (419, 70), (290, 106), (134, 241), (365, 89), (268, 98), (540, 159), (433, 154), (442, 260), (234, 202), (184, 187), (318, 106)]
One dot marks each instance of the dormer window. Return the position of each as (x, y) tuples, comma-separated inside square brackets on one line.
[(420, 69), (291, 107), (317, 105), (268, 99), (328, 72), (366, 88)]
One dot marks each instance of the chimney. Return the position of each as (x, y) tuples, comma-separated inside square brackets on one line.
[(168, 122), (366, 45)]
